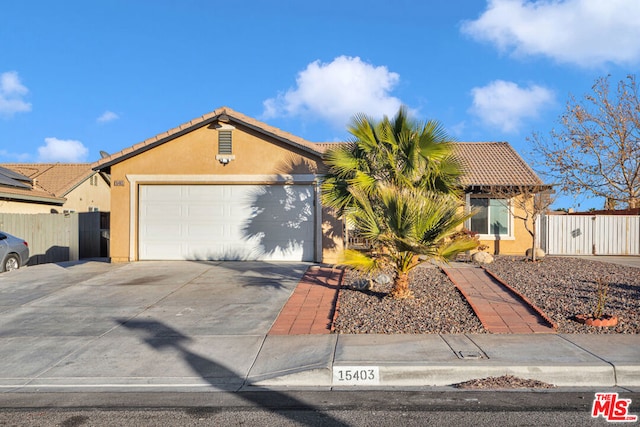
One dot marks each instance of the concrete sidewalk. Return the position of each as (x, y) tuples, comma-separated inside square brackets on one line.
[(205, 327), (232, 363)]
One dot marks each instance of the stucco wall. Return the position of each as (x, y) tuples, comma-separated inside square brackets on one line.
[(194, 154), (89, 195)]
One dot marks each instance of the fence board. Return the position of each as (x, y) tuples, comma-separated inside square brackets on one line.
[(587, 235), (568, 235), (617, 235), (51, 237)]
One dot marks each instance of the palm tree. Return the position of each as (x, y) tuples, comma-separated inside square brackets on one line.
[(407, 227), (397, 184), (400, 151)]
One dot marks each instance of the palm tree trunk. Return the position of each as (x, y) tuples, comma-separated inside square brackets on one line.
[(400, 288)]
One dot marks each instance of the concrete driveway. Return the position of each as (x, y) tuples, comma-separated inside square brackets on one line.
[(78, 323)]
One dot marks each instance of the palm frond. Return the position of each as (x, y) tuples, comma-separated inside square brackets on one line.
[(358, 261)]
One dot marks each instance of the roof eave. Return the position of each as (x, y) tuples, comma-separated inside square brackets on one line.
[(98, 166), (487, 188), (28, 198), (107, 162)]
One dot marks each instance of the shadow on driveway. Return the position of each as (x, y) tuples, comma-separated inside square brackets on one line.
[(156, 337)]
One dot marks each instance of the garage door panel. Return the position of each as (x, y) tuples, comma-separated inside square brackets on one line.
[(243, 222)]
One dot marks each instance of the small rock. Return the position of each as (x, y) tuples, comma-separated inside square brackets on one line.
[(362, 284), (539, 253), (482, 258), (383, 279)]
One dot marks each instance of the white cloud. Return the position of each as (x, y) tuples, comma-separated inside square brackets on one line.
[(108, 116), (583, 32), (11, 94), (62, 150), (17, 157), (337, 90), (505, 105)]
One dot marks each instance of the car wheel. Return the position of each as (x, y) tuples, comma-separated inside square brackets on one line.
[(11, 263)]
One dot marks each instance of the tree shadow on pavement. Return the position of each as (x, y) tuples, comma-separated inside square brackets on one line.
[(160, 336)]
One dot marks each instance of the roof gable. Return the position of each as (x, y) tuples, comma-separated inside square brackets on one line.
[(224, 113)]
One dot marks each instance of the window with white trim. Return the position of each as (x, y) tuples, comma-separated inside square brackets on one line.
[(492, 216)]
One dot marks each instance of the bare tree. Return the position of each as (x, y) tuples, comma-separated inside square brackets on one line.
[(526, 203), (597, 148)]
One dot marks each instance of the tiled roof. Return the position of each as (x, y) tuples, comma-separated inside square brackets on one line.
[(487, 164), (324, 146), (234, 117), (494, 163), (50, 180)]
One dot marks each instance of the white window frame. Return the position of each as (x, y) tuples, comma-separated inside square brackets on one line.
[(509, 235)]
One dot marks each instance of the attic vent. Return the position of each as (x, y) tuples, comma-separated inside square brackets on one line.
[(224, 142)]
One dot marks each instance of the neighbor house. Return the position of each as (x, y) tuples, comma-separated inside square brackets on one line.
[(226, 186), (52, 188)]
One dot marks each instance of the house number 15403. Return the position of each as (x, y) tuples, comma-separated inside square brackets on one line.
[(356, 375)]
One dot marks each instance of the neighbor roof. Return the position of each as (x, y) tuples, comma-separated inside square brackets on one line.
[(13, 179), (51, 182), (233, 116)]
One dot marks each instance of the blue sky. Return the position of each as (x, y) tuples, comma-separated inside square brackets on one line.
[(78, 76)]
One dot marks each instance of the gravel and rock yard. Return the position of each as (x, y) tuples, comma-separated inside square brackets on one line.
[(564, 286), (438, 307), (560, 286)]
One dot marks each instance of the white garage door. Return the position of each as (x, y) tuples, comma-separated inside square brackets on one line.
[(226, 222)]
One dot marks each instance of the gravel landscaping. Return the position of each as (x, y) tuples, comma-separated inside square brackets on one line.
[(560, 286), (503, 382), (438, 307), (563, 287)]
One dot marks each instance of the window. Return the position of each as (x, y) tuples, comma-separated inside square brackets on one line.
[(492, 217), (224, 142)]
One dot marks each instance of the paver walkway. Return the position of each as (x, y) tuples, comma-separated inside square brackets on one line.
[(500, 309), (311, 307)]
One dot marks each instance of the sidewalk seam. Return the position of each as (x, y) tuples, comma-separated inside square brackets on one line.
[(245, 381), (615, 372)]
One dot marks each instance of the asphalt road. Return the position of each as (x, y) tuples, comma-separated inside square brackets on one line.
[(305, 408)]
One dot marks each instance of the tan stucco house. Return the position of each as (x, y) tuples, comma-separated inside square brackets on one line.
[(226, 186), (31, 188)]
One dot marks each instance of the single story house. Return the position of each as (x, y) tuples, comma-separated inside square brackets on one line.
[(31, 188), (226, 186), (494, 173)]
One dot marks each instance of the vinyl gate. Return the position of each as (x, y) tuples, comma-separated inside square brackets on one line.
[(590, 235)]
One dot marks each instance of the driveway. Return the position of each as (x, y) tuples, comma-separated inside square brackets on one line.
[(148, 320)]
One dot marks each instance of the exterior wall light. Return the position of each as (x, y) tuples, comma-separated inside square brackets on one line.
[(224, 159)]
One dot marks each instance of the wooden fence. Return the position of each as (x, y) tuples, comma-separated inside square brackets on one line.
[(60, 237)]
